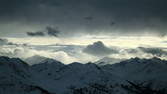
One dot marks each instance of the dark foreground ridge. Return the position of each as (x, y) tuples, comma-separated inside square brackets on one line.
[(133, 76)]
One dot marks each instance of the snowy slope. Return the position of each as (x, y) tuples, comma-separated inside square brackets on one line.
[(15, 78), (62, 77), (142, 70), (53, 77)]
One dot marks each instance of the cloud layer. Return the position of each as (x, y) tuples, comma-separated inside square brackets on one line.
[(122, 17), (78, 53)]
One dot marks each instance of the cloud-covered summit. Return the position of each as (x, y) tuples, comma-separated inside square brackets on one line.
[(99, 49)]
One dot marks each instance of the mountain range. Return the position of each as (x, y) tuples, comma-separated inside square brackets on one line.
[(49, 76)]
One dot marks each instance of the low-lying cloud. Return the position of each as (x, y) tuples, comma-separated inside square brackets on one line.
[(77, 53), (3, 41), (154, 51), (99, 49)]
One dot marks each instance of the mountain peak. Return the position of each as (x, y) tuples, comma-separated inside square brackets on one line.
[(4, 58), (136, 60), (143, 60), (7, 60), (156, 58), (35, 59), (50, 61), (47, 64)]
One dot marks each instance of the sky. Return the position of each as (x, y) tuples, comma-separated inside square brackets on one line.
[(83, 30)]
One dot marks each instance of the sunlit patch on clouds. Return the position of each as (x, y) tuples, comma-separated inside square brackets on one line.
[(26, 52), (119, 41), (70, 50)]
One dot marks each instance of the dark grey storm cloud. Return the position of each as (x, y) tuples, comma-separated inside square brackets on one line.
[(52, 32), (154, 51), (33, 34), (99, 49), (90, 16), (3, 41), (47, 31)]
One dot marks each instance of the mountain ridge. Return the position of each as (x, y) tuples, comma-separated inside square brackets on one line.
[(53, 76)]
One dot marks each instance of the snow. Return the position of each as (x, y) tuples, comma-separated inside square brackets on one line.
[(49, 75)]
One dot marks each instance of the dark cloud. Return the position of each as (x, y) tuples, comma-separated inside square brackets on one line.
[(154, 51), (130, 16), (147, 52), (99, 49), (52, 32), (6, 42), (89, 18), (3, 41), (33, 34), (47, 31)]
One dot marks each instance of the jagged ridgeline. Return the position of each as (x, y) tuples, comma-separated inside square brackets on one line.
[(48, 76)]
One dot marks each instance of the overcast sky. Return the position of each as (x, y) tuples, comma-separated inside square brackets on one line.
[(111, 23), (123, 17)]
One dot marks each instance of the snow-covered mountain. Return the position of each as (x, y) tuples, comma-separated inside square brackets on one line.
[(58, 77), (35, 59), (141, 70), (16, 78), (53, 77)]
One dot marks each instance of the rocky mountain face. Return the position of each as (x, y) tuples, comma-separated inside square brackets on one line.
[(133, 76)]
